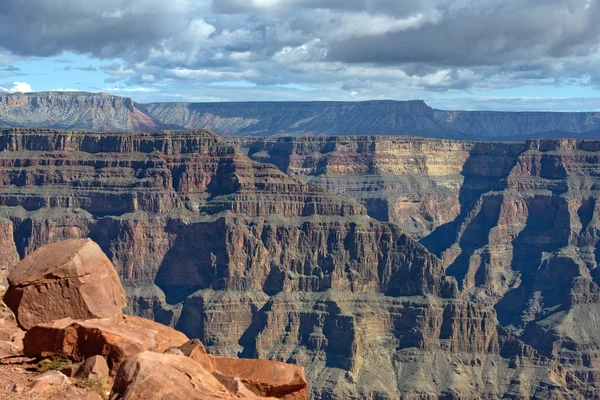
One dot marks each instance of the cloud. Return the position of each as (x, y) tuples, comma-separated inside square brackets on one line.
[(130, 89), (17, 87), (357, 48)]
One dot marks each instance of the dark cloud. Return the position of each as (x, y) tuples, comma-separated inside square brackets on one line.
[(11, 68), (102, 28), (367, 48), (484, 33)]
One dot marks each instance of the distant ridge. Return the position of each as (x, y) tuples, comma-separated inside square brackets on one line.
[(103, 112)]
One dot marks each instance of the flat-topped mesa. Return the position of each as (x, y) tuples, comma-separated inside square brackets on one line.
[(74, 110)]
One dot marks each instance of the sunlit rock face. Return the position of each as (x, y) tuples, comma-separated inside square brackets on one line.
[(263, 250)]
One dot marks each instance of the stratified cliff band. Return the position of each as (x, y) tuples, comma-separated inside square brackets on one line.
[(305, 260)]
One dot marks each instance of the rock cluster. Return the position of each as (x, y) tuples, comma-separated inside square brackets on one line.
[(135, 354)]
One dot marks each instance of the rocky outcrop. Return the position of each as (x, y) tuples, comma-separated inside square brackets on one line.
[(166, 376), (256, 263), (75, 269), (133, 351)]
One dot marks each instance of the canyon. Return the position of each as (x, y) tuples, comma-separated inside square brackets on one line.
[(106, 113), (388, 267)]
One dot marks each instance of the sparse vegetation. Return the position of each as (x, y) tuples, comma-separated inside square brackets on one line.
[(97, 385), (52, 362)]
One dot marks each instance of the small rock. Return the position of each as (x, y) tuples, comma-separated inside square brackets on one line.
[(16, 388), (9, 349), (175, 351), (50, 378), (192, 346), (93, 368), (71, 370)]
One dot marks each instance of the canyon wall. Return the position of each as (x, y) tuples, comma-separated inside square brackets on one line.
[(277, 258), (106, 113)]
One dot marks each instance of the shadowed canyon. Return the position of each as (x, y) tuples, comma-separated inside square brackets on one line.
[(389, 267)]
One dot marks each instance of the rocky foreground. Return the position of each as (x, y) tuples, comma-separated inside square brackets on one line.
[(67, 298), (297, 250)]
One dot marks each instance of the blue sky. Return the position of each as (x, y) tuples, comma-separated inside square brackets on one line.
[(454, 54)]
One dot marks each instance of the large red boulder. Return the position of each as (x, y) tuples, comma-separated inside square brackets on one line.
[(68, 279), (114, 339), (262, 377), (157, 376)]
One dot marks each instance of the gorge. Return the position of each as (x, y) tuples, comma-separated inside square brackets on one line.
[(387, 266)]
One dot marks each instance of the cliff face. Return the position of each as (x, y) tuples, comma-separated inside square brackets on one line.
[(73, 110), (518, 230), (257, 263), (102, 112)]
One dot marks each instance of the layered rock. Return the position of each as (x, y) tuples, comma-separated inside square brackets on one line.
[(73, 110), (412, 182), (256, 263), (102, 112)]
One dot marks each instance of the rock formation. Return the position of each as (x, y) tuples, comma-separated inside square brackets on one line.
[(257, 263), (128, 350), (74, 269), (102, 112), (73, 110)]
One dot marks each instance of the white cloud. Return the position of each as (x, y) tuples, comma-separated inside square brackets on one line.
[(17, 87), (364, 24)]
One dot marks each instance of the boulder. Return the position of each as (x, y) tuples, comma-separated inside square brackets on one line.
[(50, 378), (68, 279), (262, 377), (71, 369), (79, 340), (9, 349), (94, 367), (165, 337), (175, 351), (150, 375)]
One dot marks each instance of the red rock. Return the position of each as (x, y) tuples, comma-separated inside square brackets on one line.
[(192, 347), (9, 349), (76, 270), (50, 378), (79, 340), (262, 377), (165, 337), (94, 367), (150, 375)]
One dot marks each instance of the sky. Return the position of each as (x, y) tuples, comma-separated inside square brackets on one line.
[(454, 54)]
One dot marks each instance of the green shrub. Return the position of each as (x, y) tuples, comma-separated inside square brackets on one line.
[(52, 362)]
